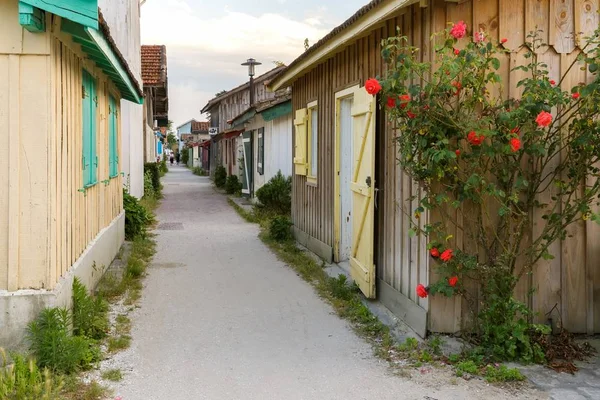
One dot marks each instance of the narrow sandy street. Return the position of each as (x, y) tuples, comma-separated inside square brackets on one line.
[(222, 318)]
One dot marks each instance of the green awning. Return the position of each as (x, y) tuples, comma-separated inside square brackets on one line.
[(245, 117), (98, 49), (277, 111), (84, 12)]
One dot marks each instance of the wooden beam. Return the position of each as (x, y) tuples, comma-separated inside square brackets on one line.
[(32, 18)]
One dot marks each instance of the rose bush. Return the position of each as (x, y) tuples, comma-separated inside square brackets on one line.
[(483, 161)]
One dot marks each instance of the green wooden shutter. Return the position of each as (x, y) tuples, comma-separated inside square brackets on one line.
[(261, 151), (113, 158), (89, 158)]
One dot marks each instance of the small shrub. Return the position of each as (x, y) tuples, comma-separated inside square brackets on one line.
[(90, 317), (153, 170), (276, 194), (23, 380), (114, 375), (55, 348), (339, 288), (148, 186), (135, 267), (185, 155), (466, 367), (136, 217), (220, 176), (163, 169), (118, 343), (501, 373), (233, 185), (280, 228), (199, 171)]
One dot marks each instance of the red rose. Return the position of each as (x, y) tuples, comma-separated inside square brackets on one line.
[(404, 99), (544, 119), (372, 86), (458, 86), (515, 144), (391, 102), (475, 139), (575, 95), (452, 281), (459, 30), (515, 130), (410, 115), (503, 40), (426, 107), (435, 253), (552, 82), (457, 153), (456, 52), (421, 291), (446, 255)]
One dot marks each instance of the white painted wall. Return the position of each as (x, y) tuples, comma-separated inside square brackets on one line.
[(123, 19)]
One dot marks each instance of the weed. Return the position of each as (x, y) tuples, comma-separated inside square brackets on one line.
[(75, 389), (501, 373), (409, 344), (123, 325), (24, 380), (153, 170), (111, 287), (466, 367), (113, 375), (89, 313), (136, 217), (118, 343), (435, 345), (280, 229), (199, 171), (135, 267)]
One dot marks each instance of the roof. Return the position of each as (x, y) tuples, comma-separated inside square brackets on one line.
[(199, 126), (359, 24), (154, 65), (186, 122), (262, 78)]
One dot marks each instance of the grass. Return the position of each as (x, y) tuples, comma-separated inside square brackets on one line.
[(117, 343), (113, 375), (75, 389), (348, 304)]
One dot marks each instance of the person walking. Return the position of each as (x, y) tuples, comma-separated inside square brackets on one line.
[(177, 157), (171, 158)]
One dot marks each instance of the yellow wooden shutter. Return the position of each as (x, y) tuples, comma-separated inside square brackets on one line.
[(300, 123), (362, 185)]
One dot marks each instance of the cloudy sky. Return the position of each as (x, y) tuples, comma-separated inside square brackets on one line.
[(207, 40)]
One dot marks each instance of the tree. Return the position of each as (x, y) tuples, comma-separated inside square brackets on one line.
[(279, 63), (306, 44), (171, 139)]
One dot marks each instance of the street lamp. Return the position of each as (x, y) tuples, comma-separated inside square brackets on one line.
[(251, 63)]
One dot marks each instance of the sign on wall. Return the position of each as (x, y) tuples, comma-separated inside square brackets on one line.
[(212, 131)]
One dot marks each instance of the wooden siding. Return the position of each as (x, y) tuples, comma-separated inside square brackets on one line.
[(46, 223), (571, 281)]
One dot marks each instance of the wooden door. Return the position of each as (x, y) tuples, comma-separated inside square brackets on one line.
[(346, 175), (247, 173), (362, 185)]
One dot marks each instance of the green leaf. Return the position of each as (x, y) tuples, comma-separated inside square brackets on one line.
[(496, 63), (593, 68), (412, 233), (547, 256)]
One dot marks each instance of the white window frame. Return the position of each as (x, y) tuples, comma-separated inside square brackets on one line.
[(311, 176)]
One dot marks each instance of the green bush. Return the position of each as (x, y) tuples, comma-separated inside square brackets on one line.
[(233, 185), (185, 155), (276, 195), (199, 171), (220, 176), (153, 169), (136, 217), (23, 380), (163, 165), (55, 348), (281, 229), (90, 318), (148, 186)]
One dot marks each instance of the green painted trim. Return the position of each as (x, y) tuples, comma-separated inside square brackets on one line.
[(245, 117), (99, 51), (84, 12), (31, 18), (277, 111)]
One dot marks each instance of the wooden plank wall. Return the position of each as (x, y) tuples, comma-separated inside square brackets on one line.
[(77, 217), (571, 281)]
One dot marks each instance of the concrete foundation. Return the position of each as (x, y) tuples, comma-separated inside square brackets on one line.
[(18, 308)]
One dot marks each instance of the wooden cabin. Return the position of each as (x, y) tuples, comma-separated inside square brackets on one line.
[(348, 187), (62, 79)]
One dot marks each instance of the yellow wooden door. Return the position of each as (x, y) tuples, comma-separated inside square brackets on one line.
[(300, 148), (362, 186)]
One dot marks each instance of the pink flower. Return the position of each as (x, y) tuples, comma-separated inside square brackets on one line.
[(515, 144), (575, 95), (459, 30), (479, 37), (544, 119)]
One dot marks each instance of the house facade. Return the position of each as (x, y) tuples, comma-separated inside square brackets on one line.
[(156, 95), (349, 191), (63, 80), (241, 129)]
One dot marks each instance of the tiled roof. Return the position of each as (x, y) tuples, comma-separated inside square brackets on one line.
[(154, 65), (199, 126)]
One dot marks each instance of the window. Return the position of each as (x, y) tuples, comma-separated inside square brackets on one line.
[(261, 151), (113, 157), (313, 141), (89, 157)]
